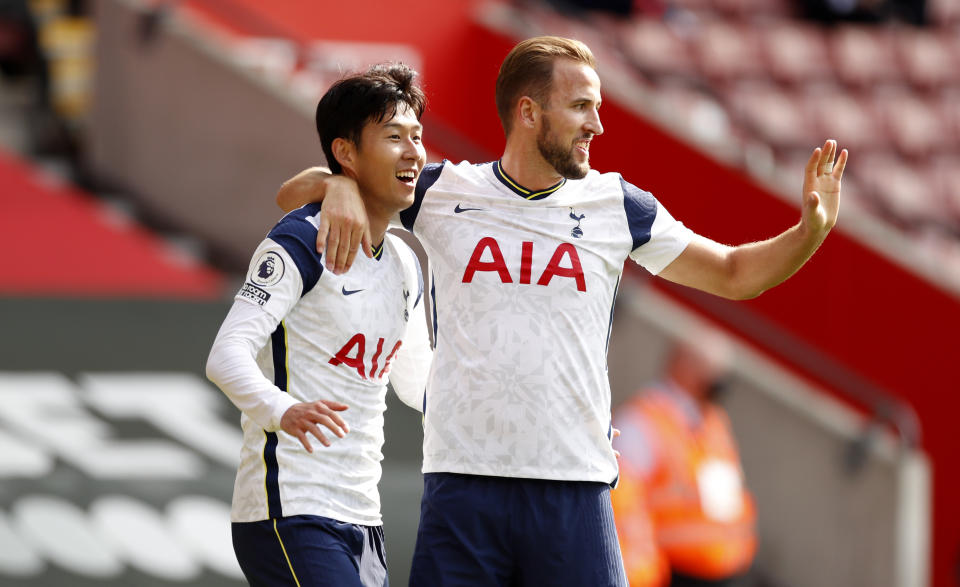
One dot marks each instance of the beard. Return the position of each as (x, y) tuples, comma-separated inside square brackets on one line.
[(559, 156)]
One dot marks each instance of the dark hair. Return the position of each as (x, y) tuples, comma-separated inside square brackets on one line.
[(528, 71), (371, 96)]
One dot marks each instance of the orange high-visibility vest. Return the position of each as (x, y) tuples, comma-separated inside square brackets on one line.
[(645, 564), (704, 519)]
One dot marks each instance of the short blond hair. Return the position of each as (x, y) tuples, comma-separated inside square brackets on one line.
[(528, 71)]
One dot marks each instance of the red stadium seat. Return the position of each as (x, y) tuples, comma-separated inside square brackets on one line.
[(737, 9), (854, 196), (748, 9), (946, 176), (865, 55), (775, 116), (700, 7), (912, 121), (728, 52), (944, 13), (948, 109), (906, 193), (840, 114), (797, 53), (657, 50), (927, 57), (695, 113)]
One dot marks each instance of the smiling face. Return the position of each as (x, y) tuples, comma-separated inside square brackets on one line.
[(569, 120), (387, 162)]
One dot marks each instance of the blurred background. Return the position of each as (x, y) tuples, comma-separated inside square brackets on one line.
[(142, 143)]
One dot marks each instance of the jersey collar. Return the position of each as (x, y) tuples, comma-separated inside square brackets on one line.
[(377, 250), (520, 190)]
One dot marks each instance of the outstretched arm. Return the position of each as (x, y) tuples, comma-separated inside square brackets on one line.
[(343, 224), (748, 270)]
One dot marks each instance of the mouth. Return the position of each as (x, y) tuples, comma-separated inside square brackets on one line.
[(582, 146), (407, 177)]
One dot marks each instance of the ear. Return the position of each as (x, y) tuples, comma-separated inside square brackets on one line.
[(345, 152), (528, 111)]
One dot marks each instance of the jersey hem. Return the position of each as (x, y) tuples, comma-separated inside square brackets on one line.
[(289, 511), (522, 474)]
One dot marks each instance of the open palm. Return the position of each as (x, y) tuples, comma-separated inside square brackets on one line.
[(821, 187)]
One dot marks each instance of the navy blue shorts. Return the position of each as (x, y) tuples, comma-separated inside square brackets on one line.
[(310, 551), (477, 530)]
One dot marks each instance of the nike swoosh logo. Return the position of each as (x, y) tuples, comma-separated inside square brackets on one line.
[(349, 292), (458, 209)]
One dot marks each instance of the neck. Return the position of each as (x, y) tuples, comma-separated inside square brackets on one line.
[(378, 228), (523, 162), (378, 221)]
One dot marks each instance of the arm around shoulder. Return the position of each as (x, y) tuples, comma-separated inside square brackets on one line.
[(344, 227), (305, 187)]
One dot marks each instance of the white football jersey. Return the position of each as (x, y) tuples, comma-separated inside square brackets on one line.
[(523, 292), (299, 333)]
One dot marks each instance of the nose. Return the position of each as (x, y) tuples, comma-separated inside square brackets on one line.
[(415, 153), (593, 124), (411, 149)]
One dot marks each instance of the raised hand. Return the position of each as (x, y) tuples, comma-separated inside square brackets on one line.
[(304, 417), (821, 188)]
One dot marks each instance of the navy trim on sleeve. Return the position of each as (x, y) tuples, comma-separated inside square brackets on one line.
[(429, 176), (613, 306), (433, 304), (298, 237), (641, 209), (416, 262), (272, 480)]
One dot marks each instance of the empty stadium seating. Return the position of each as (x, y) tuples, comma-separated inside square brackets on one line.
[(753, 76)]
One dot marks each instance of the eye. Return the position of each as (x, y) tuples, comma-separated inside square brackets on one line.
[(394, 137), (416, 138)]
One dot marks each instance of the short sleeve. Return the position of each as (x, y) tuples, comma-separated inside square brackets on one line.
[(297, 234), (657, 237), (273, 281)]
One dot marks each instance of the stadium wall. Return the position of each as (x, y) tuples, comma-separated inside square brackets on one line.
[(192, 140)]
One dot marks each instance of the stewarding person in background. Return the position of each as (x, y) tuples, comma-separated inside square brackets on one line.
[(526, 255), (683, 513), (303, 348)]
